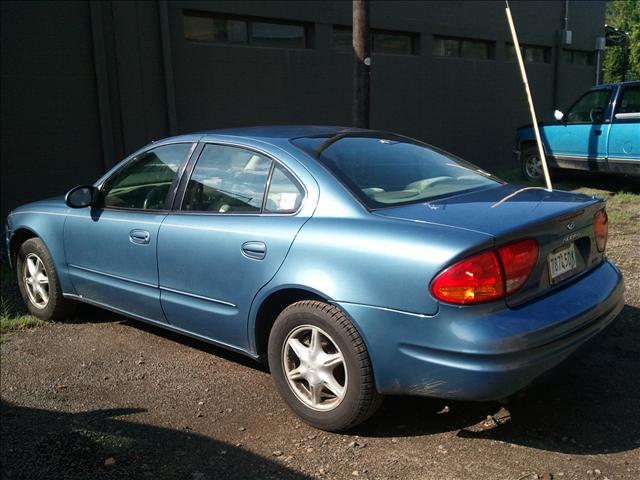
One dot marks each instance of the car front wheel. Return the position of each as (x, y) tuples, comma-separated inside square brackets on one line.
[(321, 366), (38, 282)]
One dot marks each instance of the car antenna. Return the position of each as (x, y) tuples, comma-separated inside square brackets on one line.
[(536, 129)]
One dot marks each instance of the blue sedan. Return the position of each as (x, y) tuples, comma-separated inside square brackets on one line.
[(357, 263)]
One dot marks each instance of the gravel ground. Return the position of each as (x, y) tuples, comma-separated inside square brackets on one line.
[(113, 398)]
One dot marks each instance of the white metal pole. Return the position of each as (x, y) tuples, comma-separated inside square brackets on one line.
[(516, 45)]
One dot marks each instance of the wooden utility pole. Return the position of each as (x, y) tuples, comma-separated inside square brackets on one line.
[(361, 63)]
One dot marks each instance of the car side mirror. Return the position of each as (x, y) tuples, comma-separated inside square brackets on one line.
[(558, 115), (80, 197)]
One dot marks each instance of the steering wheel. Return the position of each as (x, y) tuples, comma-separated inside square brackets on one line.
[(155, 198)]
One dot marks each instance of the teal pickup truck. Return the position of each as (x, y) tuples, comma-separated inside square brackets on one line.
[(600, 132)]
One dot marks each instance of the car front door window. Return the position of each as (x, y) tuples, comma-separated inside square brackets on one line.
[(144, 182), (590, 108)]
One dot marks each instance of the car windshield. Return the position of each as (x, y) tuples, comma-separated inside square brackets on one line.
[(384, 170)]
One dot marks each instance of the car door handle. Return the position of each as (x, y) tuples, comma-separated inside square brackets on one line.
[(141, 237), (254, 250), (597, 132)]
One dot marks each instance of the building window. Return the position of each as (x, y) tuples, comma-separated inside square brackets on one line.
[(530, 53), (281, 35), (382, 41), (463, 48), (215, 28), (579, 57), (399, 43), (342, 38)]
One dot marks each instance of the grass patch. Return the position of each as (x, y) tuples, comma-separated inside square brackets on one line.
[(9, 324), (13, 313), (623, 207)]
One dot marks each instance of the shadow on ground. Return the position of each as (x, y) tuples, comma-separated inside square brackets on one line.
[(589, 405), (90, 314), (612, 182), (103, 444)]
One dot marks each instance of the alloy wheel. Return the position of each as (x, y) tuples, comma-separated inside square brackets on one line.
[(314, 367), (36, 281)]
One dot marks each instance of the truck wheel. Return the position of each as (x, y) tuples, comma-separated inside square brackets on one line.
[(38, 282), (321, 366), (531, 164)]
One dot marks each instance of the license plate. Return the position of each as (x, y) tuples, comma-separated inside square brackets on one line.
[(562, 261)]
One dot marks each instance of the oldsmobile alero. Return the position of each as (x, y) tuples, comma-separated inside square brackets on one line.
[(357, 263)]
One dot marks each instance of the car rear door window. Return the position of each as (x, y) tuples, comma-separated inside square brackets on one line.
[(629, 101), (285, 195), (144, 182), (227, 179)]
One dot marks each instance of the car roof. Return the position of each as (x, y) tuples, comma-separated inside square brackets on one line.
[(609, 85), (266, 132), (275, 133)]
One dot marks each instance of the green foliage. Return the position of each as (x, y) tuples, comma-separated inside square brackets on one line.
[(623, 15)]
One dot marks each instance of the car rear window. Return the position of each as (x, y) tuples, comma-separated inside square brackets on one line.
[(384, 170)]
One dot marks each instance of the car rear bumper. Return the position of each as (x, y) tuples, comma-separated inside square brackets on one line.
[(484, 353)]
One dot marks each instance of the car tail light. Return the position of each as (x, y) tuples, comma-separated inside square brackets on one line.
[(601, 229), (518, 259), (488, 275), (475, 279)]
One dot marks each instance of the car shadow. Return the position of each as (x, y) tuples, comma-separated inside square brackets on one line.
[(86, 313), (38, 443), (588, 405), (572, 179), (201, 345)]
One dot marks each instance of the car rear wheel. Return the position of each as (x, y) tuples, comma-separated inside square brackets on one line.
[(321, 366), (38, 282)]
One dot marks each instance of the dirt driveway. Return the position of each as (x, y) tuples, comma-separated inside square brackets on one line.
[(111, 398)]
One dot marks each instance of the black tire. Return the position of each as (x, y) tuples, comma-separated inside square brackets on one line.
[(531, 164), (360, 399), (56, 307)]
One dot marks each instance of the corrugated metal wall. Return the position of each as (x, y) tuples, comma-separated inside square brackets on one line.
[(85, 83)]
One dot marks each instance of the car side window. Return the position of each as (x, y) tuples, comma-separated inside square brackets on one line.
[(227, 180), (629, 101), (285, 195), (590, 108), (144, 182)]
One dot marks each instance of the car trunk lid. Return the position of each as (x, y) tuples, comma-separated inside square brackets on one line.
[(559, 221)]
